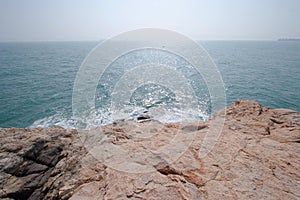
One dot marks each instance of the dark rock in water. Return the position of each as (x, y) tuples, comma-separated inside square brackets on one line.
[(256, 157), (143, 118)]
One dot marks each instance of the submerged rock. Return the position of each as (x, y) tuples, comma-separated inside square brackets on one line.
[(257, 156)]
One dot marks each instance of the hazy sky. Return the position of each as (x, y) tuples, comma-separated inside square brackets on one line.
[(35, 20)]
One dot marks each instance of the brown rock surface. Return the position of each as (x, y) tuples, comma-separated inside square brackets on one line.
[(257, 156)]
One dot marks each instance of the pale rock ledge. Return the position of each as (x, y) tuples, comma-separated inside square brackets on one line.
[(257, 156)]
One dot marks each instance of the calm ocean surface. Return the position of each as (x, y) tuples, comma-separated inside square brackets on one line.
[(36, 80)]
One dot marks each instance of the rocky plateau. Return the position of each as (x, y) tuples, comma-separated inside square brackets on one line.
[(256, 156)]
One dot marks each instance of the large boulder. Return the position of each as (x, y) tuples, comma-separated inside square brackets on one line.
[(257, 156)]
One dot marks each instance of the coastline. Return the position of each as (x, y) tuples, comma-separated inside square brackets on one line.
[(256, 156)]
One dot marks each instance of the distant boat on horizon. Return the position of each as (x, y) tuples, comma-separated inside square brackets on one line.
[(288, 39)]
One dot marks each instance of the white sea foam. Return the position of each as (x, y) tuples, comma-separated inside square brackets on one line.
[(163, 114)]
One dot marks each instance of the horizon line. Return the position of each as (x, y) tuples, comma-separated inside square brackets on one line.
[(198, 40)]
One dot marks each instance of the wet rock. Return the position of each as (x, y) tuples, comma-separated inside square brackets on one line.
[(143, 118)]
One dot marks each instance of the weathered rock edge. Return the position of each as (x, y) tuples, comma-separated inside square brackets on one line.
[(256, 157)]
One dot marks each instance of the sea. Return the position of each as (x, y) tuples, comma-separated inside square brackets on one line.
[(37, 81)]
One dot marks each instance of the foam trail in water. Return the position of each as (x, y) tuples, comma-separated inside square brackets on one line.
[(162, 113)]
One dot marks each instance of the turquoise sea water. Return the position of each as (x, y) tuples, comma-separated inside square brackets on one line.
[(36, 80)]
